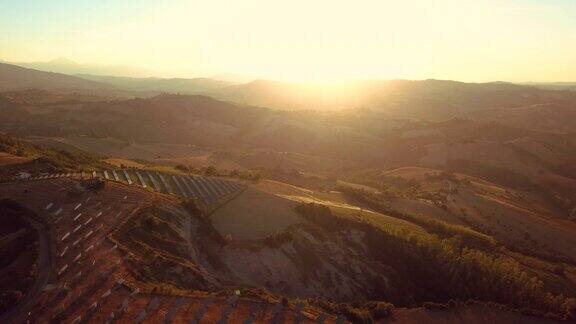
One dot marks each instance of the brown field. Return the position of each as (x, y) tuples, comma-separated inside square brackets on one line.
[(7, 159), (254, 214), (335, 201)]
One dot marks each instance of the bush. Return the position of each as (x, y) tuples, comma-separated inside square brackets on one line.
[(182, 167), (379, 310), (278, 238), (355, 315)]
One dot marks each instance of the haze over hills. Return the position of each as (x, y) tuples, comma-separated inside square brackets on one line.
[(174, 85), (416, 193), (288, 162), (13, 77), (66, 66), (433, 99), (553, 85), (427, 98)]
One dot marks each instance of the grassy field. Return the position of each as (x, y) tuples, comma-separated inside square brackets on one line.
[(254, 214)]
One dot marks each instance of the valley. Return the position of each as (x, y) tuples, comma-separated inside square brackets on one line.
[(408, 201)]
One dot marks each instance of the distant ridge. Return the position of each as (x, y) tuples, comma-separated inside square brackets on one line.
[(174, 85), (14, 78), (67, 66)]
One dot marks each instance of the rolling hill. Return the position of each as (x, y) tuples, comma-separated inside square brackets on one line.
[(156, 85), (67, 66), (14, 77), (365, 208)]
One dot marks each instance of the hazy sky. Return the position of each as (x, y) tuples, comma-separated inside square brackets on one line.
[(476, 40)]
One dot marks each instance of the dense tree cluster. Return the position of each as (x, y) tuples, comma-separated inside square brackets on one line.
[(435, 269), (56, 159), (463, 235)]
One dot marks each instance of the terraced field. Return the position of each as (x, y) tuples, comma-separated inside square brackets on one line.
[(88, 275)]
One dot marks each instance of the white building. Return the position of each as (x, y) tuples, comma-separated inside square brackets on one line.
[(23, 176)]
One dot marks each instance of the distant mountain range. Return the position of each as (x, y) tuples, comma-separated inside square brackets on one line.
[(553, 85), (14, 77), (66, 66), (428, 99), (173, 85)]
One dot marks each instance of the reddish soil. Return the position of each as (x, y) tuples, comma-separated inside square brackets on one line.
[(7, 159), (70, 294)]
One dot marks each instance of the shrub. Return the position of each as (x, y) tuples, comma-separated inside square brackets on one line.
[(278, 238), (379, 310), (182, 167)]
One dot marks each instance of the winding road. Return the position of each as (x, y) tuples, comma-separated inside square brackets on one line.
[(17, 314)]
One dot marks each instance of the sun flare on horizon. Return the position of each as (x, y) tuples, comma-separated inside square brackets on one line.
[(310, 41)]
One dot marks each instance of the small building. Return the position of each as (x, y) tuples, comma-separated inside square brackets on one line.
[(23, 176)]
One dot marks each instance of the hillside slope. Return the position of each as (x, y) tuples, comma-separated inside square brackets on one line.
[(14, 77)]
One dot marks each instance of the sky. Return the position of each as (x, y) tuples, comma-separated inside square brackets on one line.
[(302, 40)]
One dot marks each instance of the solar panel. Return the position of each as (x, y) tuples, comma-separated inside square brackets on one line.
[(64, 268), (180, 188), (196, 190), (141, 179), (127, 177), (188, 188), (165, 183), (208, 186), (197, 181), (155, 183), (115, 175), (77, 241), (215, 186)]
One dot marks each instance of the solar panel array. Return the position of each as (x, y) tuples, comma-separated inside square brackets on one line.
[(204, 189), (207, 190)]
